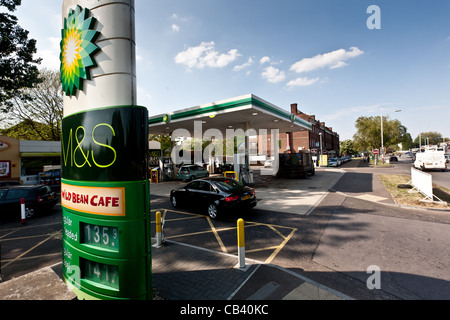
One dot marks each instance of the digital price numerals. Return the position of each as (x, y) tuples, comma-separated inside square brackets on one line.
[(100, 236), (99, 273)]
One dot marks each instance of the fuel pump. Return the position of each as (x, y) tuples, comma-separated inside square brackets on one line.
[(242, 168)]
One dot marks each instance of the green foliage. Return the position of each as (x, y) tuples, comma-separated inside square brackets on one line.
[(348, 147), (368, 135), (18, 68), (433, 138), (39, 115), (29, 130)]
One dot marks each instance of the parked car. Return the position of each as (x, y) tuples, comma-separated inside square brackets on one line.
[(191, 172), (38, 199), (333, 162), (268, 164), (393, 159), (215, 194)]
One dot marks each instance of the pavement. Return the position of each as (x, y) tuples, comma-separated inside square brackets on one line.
[(184, 272)]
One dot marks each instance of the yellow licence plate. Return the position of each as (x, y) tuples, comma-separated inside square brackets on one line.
[(246, 197)]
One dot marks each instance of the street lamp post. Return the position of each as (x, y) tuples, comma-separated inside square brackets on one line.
[(382, 146), (320, 159)]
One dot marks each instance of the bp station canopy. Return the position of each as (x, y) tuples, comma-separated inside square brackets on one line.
[(244, 112)]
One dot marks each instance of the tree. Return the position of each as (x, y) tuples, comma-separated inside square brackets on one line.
[(432, 138), (18, 68), (407, 142), (368, 135), (39, 115), (347, 147)]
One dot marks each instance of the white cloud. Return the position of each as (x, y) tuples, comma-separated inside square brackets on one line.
[(264, 60), (302, 82), (175, 16), (205, 55), (243, 66), (175, 28), (273, 75), (333, 60)]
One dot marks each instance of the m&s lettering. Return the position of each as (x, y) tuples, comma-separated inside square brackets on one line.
[(77, 148)]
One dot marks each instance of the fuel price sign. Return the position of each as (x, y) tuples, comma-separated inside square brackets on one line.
[(101, 236), (104, 160), (106, 222)]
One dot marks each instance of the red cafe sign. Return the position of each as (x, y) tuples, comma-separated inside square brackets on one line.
[(100, 201)]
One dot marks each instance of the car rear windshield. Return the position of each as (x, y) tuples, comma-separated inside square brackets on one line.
[(193, 168), (228, 185), (17, 194)]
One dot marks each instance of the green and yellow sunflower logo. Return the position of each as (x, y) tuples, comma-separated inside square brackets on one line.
[(77, 49), (166, 118)]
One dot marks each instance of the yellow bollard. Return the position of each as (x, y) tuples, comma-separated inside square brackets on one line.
[(158, 229), (241, 243)]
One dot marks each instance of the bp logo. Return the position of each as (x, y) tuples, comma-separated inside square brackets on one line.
[(77, 49), (166, 118)]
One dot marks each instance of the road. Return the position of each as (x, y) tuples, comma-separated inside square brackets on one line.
[(337, 243), (403, 166), (334, 245)]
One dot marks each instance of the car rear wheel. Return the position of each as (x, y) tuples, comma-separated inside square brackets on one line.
[(213, 211), (29, 212)]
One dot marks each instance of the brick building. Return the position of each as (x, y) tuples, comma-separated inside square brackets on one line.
[(311, 140)]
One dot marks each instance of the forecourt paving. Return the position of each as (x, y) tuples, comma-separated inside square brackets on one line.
[(298, 196), (185, 272)]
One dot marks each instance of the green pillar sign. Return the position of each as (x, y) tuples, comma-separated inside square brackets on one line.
[(105, 187)]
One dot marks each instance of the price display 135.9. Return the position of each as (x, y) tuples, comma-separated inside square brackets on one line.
[(104, 237)]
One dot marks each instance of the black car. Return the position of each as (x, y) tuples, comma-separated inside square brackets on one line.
[(216, 194), (393, 159), (38, 198)]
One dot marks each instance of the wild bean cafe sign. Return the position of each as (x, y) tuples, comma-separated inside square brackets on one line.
[(105, 186)]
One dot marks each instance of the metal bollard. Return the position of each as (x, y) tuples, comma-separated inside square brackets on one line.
[(241, 243), (159, 230), (22, 207)]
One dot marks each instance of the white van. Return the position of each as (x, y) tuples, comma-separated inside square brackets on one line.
[(430, 160)]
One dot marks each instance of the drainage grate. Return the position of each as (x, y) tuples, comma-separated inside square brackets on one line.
[(264, 292)]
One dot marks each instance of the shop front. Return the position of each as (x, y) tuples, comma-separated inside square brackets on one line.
[(30, 162)]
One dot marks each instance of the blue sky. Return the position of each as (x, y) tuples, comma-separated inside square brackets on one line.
[(317, 53)]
